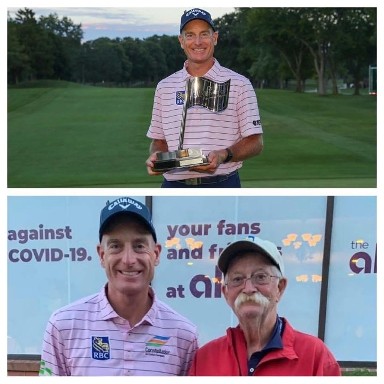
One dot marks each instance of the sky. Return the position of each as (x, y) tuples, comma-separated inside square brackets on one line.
[(121, 19), (121, 22)]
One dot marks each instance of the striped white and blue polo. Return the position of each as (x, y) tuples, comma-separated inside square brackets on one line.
[(204, 129), (88, 338)]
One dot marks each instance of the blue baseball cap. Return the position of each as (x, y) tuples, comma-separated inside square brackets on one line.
[(128, 206), (196, 14)]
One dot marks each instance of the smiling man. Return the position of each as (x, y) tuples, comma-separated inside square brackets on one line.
[(226, 136), (124, 329), (263, 344)]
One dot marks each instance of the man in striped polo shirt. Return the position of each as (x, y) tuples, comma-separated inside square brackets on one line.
[(124, 329), (227, 137)]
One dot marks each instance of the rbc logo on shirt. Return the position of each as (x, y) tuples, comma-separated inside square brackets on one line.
[(180, 97), (100, 348)]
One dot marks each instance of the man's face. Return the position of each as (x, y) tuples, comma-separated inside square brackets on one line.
[(128, 254), (250, 300), (198, 41)]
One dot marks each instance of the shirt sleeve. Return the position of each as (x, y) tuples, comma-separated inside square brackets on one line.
[(155, 130), (190, 354), (248, 111), (53, 361)]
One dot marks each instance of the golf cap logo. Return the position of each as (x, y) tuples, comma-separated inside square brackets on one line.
[(125, 203), (195, 12)]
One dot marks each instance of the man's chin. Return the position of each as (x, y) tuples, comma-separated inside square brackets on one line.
[(249, 311)]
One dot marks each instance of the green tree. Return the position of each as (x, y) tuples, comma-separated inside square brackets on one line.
[(36, 42), (229, 47), (278, 29), (356, 46), (172, 52), (317, 28), (103, 62), (148, 61), (66, 42), (156, 62), (18, 61)]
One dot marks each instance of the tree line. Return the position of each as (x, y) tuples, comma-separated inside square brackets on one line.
[(271, 46)]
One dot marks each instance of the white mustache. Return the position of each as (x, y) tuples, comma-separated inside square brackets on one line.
[(256, 297)]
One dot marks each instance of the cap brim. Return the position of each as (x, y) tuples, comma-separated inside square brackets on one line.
[(240, 246), (126, 213), (196, 18)]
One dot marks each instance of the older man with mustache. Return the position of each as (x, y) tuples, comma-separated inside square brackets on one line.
[(263, 344)]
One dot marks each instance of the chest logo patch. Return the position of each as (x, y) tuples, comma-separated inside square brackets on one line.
[(180, 97), (100, 348), (156, 346)]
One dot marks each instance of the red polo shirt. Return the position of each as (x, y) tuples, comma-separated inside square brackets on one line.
[(301, 355)]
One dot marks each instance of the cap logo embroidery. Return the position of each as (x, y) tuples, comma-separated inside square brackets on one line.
[(195, 12), (124, 206), (124, 203)]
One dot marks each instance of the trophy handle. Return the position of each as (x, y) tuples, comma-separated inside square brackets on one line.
[(184, 115)]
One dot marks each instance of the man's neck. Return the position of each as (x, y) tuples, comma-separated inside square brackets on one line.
[(257, 332), (132, 308), (199, 69)]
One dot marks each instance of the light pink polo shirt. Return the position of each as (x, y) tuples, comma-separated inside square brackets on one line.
[(204, 129), (88, 338)]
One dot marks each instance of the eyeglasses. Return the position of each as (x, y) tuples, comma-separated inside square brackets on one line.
[(256, 279)]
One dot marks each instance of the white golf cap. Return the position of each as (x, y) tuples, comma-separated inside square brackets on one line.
[(252, 244)]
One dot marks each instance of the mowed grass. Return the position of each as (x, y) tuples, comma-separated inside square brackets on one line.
[(63, 135)]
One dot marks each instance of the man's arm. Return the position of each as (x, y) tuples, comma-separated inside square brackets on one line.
[(247, 147), (244, 149), (52, 357)]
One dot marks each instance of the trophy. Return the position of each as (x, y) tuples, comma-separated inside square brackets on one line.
[(205, 93)]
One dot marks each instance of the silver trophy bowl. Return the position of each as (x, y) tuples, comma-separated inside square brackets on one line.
[(202, 92)]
